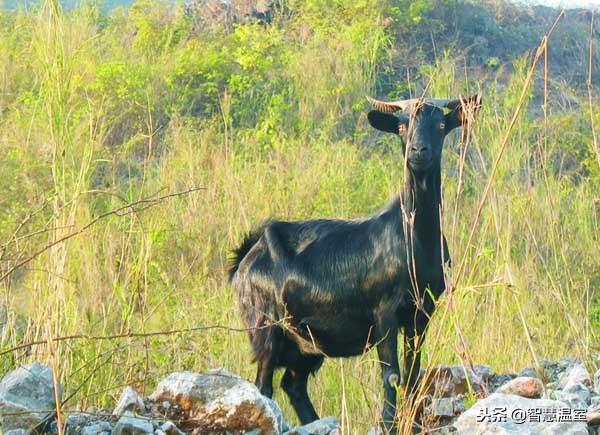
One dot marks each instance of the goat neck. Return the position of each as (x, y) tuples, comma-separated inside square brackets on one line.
[(421, 205)]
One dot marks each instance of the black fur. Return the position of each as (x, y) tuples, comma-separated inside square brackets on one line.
[(238, 254), (337, 287)]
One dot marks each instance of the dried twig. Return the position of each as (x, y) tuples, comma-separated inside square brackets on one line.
[(126, 209), (138, 335)]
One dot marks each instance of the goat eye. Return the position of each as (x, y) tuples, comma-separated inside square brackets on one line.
[(442, 125)]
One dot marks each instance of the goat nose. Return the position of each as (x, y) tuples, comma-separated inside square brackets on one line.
[(420, 150)]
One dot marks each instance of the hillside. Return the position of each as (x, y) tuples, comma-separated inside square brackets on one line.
[(482, 36)]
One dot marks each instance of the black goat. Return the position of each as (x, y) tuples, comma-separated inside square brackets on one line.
[(319, 288)]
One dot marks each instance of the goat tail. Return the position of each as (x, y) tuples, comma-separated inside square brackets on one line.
[(238, 254)]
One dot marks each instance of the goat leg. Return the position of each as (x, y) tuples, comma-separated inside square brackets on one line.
[(387, 350), (264, 377), (295, 383)]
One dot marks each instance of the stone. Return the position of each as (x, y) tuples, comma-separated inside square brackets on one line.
[(23, 392), (324, 426), (441, 411), (98, 428), (130, 425), (169, 428), (528, 372), (565, 362), (459, 405), (220, 401), (575, 374), (576, 396), (498, 380), (449, 381), (130, 400), (443, 407), (523, 386), (478, 419), (549, 370), (485, 373), (76, 421)]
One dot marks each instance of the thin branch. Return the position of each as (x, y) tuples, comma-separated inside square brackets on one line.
[(120, 211), (14, 238), (138, 335)]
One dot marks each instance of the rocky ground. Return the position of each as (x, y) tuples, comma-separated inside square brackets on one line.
[(554, 398)]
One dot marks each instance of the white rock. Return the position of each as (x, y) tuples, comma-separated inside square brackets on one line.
[(475, 421), (130, 400), (220, 401), (133, 426), (98, 428), (576, 396), (443, 407), (485, 372), (169, 428), (24, 391), (575, 374), (324, 426), (75, 422)]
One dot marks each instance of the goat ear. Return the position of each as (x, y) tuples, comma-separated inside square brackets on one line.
[(464, 113), (383, 121)]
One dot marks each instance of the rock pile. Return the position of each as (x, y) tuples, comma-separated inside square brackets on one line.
[(554, 398), (214, 402)]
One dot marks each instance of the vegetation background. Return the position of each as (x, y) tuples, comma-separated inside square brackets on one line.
[(101, 107)]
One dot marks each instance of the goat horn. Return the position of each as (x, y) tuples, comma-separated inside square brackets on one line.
[(394, 106), (475, 100)]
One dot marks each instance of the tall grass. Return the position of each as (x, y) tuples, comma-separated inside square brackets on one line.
[(99, 111)]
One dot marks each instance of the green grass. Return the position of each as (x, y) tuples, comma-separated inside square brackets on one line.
[(98, 111)]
